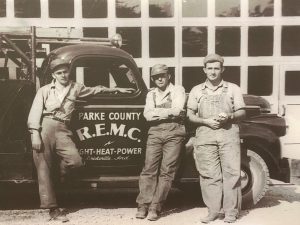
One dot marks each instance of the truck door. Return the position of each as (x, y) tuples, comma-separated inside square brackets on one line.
[(109, 127), (289, 103)]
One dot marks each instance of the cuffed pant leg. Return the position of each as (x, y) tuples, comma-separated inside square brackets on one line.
[(208, 164), (231, 164), (44, 166), (148, 177), (169, 164)]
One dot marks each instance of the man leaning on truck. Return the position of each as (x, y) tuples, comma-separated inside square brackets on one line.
[(164, 111), (216, 106), (48, 123)]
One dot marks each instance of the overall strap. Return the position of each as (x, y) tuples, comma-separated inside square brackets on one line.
[(225, 87), (154, 99)]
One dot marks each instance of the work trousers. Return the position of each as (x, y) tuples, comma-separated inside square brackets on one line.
[(57, 141), (217, 157), (162, 158)]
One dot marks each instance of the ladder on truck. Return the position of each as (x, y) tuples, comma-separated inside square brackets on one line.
[(26, 60)]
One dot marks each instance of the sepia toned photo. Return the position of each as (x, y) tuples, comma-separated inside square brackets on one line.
[(149, 112)]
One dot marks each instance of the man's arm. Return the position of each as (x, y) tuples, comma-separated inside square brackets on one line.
[(239, 105), (151, 113), (192, 106), (178, 102), (210, 122), (88, 91), (34, 120)]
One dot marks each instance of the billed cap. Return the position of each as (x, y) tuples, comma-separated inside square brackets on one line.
[(213, 58), (159, 69), (58, 62)]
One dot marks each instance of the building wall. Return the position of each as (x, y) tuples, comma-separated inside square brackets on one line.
[(256, 37)]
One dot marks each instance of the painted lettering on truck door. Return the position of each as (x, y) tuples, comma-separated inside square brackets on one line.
[(110, 135), (109, 128)]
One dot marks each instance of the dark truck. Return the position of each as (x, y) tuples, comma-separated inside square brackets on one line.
[(110, 130)]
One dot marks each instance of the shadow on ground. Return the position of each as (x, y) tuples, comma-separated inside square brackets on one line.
[(26, 197)]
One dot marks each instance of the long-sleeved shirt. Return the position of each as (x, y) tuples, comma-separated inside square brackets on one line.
[(156, 97), (49, 102)]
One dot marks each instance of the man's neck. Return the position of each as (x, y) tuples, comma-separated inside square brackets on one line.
[(214, 83), (60, 87), (164, 89)]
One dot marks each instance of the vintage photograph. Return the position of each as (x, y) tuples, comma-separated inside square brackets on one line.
[(177, 112)]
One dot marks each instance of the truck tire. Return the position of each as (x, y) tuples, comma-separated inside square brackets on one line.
[(255, 178)]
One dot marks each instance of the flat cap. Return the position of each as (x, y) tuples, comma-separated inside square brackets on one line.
[(58, 62), (213, 58), (159, 69)]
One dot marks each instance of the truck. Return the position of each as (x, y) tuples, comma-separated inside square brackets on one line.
[(109, 128)]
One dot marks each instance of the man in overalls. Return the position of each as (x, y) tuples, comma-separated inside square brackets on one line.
[(48, 123), (164, 110), (216, 106)]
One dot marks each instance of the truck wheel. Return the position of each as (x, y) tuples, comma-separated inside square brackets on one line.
[(255, 178)]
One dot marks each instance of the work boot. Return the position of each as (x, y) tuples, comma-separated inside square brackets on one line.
[(142, 212), (210, 217), (153, 215), (58, 215), (230, 219)]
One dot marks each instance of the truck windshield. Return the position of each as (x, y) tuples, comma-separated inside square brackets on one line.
[(108, 72)]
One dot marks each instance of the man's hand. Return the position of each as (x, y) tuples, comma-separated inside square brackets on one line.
[(223, 117), (125, 90), (36, 141), (213, 123)]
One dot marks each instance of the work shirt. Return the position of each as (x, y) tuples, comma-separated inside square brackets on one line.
[(173, 93), (235, 97), (49, 102)]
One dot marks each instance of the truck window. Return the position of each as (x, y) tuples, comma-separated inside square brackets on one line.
[(106, 72)]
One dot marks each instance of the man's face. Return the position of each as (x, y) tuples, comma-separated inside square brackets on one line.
[(213, 71), (161, 80), (62, 75)]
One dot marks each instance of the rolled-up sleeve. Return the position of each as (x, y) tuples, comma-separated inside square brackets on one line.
[(88, 91), (36, 111)]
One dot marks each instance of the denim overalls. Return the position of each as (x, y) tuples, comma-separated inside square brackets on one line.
[(165, 140), (217, 156)]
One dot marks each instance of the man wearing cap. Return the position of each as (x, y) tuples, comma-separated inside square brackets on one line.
[(216, 106), (164, 111), (48, 123)]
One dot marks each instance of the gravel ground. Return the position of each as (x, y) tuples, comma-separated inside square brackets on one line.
[(280, 206)]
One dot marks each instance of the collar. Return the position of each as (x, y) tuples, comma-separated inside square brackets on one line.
[(221, 84), (168, 90), (52, 84)]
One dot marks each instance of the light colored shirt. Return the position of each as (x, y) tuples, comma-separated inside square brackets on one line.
[(47, 102), (234, 93), (177, 95)]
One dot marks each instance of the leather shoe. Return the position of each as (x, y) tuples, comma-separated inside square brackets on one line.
[(210, 217), (153, 215), (58, 215), (230, 219), (141, 212)]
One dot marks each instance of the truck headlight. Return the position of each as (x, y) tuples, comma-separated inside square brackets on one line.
[(116, 40)]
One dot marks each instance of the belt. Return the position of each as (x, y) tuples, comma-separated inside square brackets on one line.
[(157, 122), (67, 122)]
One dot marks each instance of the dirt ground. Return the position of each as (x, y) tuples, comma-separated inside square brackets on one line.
[(280, 206)]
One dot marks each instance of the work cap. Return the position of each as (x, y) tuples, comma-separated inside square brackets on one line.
[(159, 69), (58, 62), (213, 58)]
